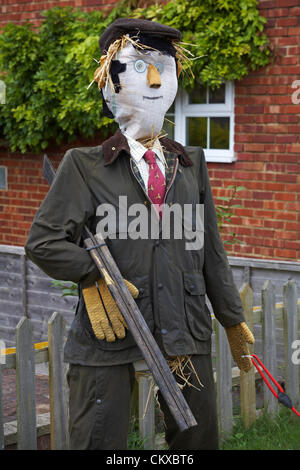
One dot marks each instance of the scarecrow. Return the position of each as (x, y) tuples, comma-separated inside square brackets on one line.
[(138, 79)]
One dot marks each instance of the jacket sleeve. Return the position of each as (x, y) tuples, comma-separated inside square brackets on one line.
[(53, 241), (220, 287)]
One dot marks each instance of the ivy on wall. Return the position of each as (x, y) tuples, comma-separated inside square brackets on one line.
[(47, 71)]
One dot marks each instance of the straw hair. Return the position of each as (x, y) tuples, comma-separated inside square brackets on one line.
[(149, 141), (102, 74), (183, 367)]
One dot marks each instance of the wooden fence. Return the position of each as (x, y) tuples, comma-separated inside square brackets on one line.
[(25, 290), (269, 316), (23, 358)]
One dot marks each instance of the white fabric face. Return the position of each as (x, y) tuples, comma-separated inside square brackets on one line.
[(139, 109)]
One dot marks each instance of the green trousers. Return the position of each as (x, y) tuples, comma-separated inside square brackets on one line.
[(99, 408)]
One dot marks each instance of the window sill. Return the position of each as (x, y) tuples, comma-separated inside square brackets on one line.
[(219, 156), (220, 159)]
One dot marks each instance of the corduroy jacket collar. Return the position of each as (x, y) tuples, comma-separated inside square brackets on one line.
[(113, 146)]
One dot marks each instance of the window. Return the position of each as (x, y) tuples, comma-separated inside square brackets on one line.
[(169, 124), (3, 177), (2, 92), (205, 118)]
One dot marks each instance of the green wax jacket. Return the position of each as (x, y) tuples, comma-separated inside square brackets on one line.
[(172, 280)]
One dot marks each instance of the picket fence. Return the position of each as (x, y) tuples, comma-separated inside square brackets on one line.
[(270, 316)]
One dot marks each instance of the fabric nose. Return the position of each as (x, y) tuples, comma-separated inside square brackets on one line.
[(153, 77)]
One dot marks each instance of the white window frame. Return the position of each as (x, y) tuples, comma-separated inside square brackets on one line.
[(183, 110), (4, 188)]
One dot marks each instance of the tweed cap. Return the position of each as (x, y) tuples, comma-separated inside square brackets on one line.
[(135, 27)]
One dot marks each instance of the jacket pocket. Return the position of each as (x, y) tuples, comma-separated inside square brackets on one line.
[(144, 304), (143, 300), (197, 313)]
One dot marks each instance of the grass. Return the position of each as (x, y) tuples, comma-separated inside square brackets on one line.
[(135, 442), (279, 433)]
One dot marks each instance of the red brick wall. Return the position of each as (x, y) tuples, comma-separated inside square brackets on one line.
[(267, 143), (18, 11), (26, 189)]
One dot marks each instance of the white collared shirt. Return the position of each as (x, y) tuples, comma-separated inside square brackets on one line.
[(137, 151)]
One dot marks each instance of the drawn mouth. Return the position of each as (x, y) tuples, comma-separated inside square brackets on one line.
[(151, 97)]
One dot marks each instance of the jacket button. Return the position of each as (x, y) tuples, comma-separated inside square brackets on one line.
[(164, 332), (141, 291), (160, 286), (192, 287), (157, 243), (98, 401)]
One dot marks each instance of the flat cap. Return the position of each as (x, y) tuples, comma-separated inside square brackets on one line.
[(135, 27)]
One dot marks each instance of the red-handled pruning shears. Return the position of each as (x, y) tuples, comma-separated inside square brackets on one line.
[(281, 396)]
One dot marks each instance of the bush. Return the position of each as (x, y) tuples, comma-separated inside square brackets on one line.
[(47, 71)]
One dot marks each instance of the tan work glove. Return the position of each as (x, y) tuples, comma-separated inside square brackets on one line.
[(105, 317), (238, 337)]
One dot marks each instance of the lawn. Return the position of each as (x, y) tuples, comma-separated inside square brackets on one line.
[(280, 433)]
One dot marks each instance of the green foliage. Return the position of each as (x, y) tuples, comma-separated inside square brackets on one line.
[(226, 211), (227, 33), (134, 441), (47, 71), (67, 288), (47, 74), (278, 433)]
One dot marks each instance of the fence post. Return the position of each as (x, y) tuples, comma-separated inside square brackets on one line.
[(224, 380), (146, 409), (57, 383), (269, 341), (247, 380), (24, 284), (1, 411), (290, 335), (25, 380)]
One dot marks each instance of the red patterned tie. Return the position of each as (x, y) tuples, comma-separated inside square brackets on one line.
[(156, 182)]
